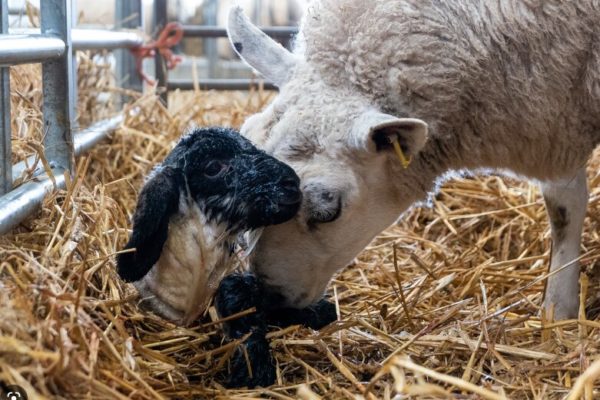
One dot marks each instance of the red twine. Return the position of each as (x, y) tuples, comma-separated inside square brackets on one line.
[(169, 37)]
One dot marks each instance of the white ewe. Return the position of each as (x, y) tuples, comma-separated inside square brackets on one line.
[(509, 85)]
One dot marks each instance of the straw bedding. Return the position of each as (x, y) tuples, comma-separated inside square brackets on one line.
[(443, 305)]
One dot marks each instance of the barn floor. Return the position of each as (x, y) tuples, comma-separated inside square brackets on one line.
[(442, 305)]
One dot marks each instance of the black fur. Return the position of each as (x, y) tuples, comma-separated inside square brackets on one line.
[(262, 365), (239, 292), (266, 191), (232, 182), (236, 293), (315, 316)]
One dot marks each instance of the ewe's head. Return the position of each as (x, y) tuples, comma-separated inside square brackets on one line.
[(340, 145), (212, 186)]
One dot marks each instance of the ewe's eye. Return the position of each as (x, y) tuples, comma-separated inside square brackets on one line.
[(215, 169), (326, 207)]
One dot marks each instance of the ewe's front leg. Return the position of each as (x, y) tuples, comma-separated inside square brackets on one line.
[(566, 203)]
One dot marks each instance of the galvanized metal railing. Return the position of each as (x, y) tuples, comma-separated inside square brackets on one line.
[(5, 145), (82, 39), (190, 31), (204, 31), (53, 45), (211, 32)]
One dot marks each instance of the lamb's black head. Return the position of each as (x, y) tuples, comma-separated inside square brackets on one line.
[(234, 184)]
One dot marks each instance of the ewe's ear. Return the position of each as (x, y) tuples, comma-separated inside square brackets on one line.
[(257, 49), (374, 131), (157, 202)]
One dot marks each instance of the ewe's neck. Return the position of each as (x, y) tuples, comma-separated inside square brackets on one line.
[(441, 154)]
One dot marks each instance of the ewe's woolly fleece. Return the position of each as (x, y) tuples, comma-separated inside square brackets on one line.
[(476, 72)]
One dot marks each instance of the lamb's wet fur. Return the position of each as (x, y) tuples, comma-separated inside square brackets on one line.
[(239, 292), (235, 186)]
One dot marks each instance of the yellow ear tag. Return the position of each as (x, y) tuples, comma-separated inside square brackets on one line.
[(403, 160)]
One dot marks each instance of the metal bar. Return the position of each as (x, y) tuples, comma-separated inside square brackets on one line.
[(16, 10), (93, 39), (22, 201), (99, 39), (84, 141), (217, 31), (160, 66), (221, 84), (128, 15), (210, 11), (5, 131), (74, 87), (257, 9), (16, 205), (58, 81), (22, 49), (89, 137)]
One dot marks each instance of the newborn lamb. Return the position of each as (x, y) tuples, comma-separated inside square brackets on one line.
[(213, 186)]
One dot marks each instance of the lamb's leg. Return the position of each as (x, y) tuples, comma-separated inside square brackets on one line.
[(239, 292), (566, 203), (252, 364), (315, 316)]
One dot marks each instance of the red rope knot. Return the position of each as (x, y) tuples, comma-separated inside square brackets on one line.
[(169, 37)]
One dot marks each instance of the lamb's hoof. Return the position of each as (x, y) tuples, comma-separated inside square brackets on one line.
[(256, 358), (315, 316)]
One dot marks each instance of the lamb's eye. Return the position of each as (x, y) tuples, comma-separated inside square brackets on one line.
[(214, 169)]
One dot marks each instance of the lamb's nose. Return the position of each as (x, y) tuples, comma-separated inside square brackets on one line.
[(292, 194), (290, 183)]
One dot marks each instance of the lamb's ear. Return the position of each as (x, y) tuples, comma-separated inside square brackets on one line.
[(257, 49), (157, 202), (375, 131)]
